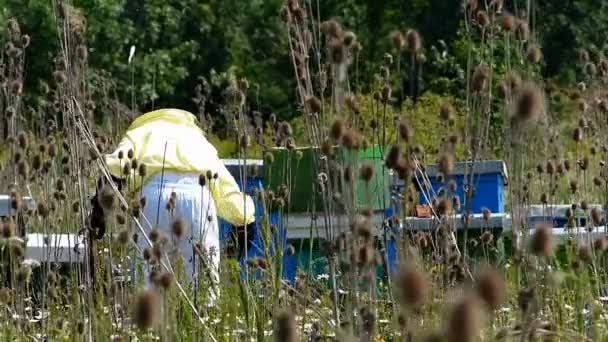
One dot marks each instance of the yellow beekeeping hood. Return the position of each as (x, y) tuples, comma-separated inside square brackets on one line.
[(170, 139)]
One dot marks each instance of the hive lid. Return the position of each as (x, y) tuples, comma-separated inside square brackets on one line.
[(480, 168), (248, 167)]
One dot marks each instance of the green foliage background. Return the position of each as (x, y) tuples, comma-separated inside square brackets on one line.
[(179, 41)]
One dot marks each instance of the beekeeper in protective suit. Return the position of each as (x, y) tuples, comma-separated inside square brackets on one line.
[(176, 153)]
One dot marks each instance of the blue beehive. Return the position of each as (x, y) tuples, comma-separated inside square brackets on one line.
[(489, 180), (252, 171)]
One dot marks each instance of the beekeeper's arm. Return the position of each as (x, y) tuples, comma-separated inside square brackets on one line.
[(232, 205)]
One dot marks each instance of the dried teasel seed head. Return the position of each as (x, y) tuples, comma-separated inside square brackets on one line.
[(123, 237), (337, 51), (585, 254), (480, 78), (470, 5), (508, 22), (529, 105), (414, 42), (81, 52), (286, 329), (366, 172), (23, 169), (577, 135), (483, 19), (178, 227), (392, 157), (446, 112), (583, 56), (446, 163), (337, 129), (121, 219), (331, 28), (314, 105), (60, 77), (351, 140), (487, 214), (413, 286), (534, 54), (147, 254), (146, 309), (491, 287), (522, 30), (388, 60), (348, 38), (542, 241), (398, 40), (16, 87), (327, 148), (405, 131), (23, 140), (465, 320), (107, 198), (597, 216), (601, 245), (165, 280)]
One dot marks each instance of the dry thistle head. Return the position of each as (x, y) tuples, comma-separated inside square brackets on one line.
[(337, 51), (8, 229), (16, 87), (583, 56), (414, 286), (542, 241), (314, 105), (529, 105), (414, 42), (491, 287), (480, 78), (42, 210), (107, 198), (600, 245), (123, 236), (483, 19), (331, 28), (366, 172), (393, 156), (165, 280), (23, 140), (146, 309), (60, 77), (465, 320), (446, 163), (286, 329), (508, 22), (405, 131), (337, 129), (178, 227), (469, 5), (534, 54), (348, 38), (487, 214), (398, 40), (24, 274), (351, 140), (352, 104), (577, 135), (522, 30), (446, 112), (597, 216), (585, 254)]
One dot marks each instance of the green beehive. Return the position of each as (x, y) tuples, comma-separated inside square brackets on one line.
[(301, 175)]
